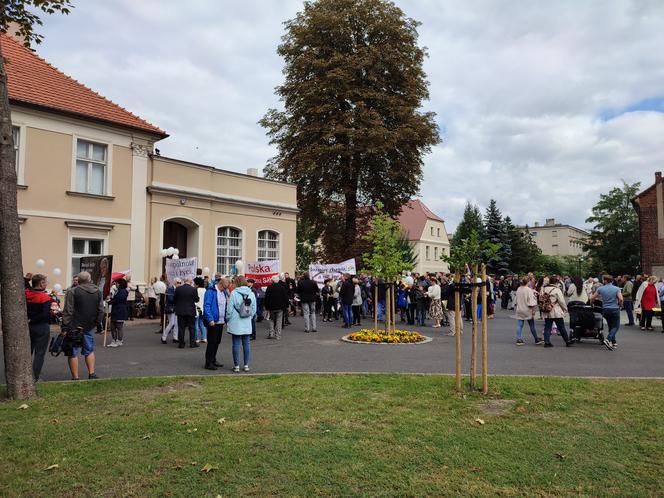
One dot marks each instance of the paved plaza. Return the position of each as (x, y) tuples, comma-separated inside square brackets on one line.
[(639, 354)]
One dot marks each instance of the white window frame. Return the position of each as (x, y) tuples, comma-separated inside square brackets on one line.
[(108, 177), (279, 251), (438, 232), (216, 245), (20, 153), (101, 235), (427, 252), (435, 253)]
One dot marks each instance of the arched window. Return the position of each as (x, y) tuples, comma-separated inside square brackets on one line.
[(268, 245), (229, 248)]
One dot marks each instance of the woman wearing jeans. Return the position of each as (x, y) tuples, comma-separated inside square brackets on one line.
[(526, 304), (238, 323), (557, 313)]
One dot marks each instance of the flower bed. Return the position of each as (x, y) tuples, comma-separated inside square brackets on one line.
[(382, 337)]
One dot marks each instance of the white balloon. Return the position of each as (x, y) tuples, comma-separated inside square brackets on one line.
[(206, 271), (175, 256), (171, 251), (40, 263), (164, 253), (176, 251), (57, 272), (57, 287)]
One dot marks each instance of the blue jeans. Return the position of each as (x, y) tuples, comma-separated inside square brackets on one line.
[(201, 331), (420, 315), (348, 313), (237, 339), (381, 310), (629, 309), (612, 317), (560, 325), (531, 324), (88, 344)]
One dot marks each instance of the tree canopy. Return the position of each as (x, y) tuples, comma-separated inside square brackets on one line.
[(613, 243), (387, 258), (495, 232), (351, 132)]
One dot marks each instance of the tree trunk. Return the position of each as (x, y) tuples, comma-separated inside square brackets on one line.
[(350, 218), (16, 338)]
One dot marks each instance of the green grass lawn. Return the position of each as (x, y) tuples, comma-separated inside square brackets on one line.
[(335, 435)]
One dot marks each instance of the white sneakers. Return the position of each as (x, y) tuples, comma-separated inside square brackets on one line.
[(237, 369), (115, 344), (246, 368)]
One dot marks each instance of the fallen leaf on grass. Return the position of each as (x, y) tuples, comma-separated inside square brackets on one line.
[(248, 405), (52, 467), (479, 421), (55, 421), (100, 436), (475, 469), (221, 420), (560, 456), (189, 431), (23, 406), (147, 436), (207, 468), (520, 409), (177, 467)]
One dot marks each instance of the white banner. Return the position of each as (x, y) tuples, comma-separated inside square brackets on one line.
[(320, 272), (262, 271), (182, 268)]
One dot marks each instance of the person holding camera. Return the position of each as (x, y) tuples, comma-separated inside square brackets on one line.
[(38, 306), (83, 311)]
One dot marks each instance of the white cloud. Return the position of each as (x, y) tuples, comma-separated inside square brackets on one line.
[(519, 88)]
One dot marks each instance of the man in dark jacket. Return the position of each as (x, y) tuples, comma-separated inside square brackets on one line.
[(308, 291), (84, 309), (38, 304), (346, 296), (184, 302), (276, 301)]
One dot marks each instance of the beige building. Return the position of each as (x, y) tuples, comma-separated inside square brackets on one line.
[(555, 239), (427, 232), (90, 183)]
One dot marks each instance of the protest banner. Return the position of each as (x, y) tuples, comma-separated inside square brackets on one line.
[(181, 268), (262, 271), (320, 272), (100, 269)]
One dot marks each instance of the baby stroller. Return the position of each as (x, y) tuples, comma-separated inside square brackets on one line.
[(585, 322)]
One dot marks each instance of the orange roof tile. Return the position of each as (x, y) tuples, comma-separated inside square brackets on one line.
[(414, 216), (33, 81)]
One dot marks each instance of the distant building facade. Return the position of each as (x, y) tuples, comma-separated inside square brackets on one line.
[(649, 205), (555, 239), (90, 182), (427, 233)]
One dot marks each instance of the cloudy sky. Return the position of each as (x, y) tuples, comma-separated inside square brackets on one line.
[(541, 105)]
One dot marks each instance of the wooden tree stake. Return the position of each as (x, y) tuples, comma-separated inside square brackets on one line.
[(473, 334), (485, 314), (457, 331)]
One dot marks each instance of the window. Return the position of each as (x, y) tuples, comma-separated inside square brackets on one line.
[(84, 247), (554, 233), (534, 234), (432, 231), (435, 253), (16, 136), (426, 252), (229, 248), (438, 232), (555, 249), (91, 159), (268, 245)]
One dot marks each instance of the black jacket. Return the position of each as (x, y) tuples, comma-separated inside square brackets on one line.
[(276, 297), (119, 309), (84, 307), (38, 305), (185, 300), (347, 292), (307, 289)]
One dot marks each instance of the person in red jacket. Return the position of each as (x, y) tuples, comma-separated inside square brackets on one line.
[(38, 305)]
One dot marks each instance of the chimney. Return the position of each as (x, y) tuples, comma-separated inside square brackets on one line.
[(252, 171), (658, 177), (12, 30), (550, 222), (537, 223)]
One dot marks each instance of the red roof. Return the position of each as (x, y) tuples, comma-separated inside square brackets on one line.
[(414, 216), (34, 82)]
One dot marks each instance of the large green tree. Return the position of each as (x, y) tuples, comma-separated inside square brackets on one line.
[(470, 222), (613, 244), (524, 253), (351, 131), (21, 16), (495, 232)]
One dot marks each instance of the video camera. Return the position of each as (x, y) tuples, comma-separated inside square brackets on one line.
[(66, 341)]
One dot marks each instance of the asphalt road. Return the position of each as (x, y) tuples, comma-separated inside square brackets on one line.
[(639, 354)]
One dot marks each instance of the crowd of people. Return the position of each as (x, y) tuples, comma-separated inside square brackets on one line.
[(198, 310)]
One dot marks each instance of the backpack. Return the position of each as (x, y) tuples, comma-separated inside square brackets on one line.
[(545, 304), (245, 308)]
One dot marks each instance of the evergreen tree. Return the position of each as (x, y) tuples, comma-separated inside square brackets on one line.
[(471, 222), (494, 232), (525, 255)]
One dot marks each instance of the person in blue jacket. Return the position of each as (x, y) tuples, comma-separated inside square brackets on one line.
[(240, 311), (119, 313), (215, 303)]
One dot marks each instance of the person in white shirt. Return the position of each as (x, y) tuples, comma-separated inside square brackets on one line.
[(159, 287), (436, 306)]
